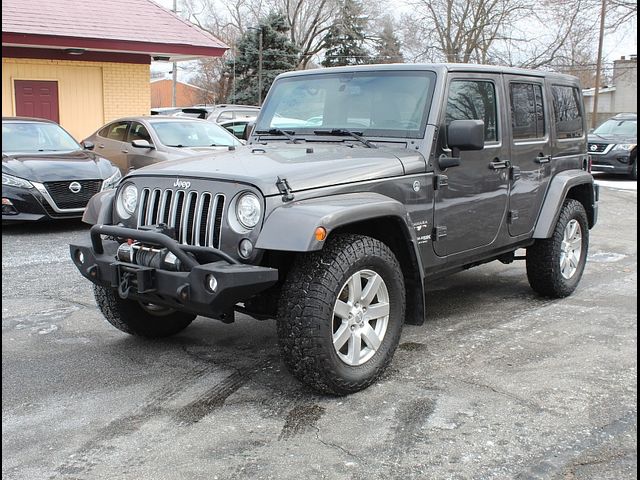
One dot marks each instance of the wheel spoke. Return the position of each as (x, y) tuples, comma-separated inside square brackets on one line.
[(371, 290), (576, 243), (370, 337), (355, 347), (342, 310), (355, 288), (341, 336), (376, 311), (573, 261)]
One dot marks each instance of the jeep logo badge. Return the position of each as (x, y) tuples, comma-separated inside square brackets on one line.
[(182, 184), (75, 187)]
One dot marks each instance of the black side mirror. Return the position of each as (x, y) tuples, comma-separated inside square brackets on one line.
[(87, 145), (141, 144), (462, 135)]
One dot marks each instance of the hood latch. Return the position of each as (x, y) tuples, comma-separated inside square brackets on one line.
[(284, 189)]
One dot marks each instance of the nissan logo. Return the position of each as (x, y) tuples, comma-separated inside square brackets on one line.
[(75, 187), (182, 184), (593, 148)]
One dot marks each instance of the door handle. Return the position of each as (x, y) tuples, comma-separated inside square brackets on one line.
[(124, 151), (499, 164), (100, 145), (543, 159)]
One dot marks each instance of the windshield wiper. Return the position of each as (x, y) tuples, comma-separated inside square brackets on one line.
[(279, 131), (346, 133), (176, 146)]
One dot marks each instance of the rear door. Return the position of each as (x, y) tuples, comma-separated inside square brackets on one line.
[(531, 159), (112, 144), (471, 199)]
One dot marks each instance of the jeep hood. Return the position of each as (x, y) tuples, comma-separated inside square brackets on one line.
[(305, 166)]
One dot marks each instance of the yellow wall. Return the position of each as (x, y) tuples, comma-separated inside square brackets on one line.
[(89, 93)]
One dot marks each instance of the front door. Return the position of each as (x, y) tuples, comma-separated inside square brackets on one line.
[(471, 198), (37, 98)]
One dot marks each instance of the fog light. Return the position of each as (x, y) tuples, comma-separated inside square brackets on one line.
[(6, 201), (80, 257), (245, 248), (211, 282)]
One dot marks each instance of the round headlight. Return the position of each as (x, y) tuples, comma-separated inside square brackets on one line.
[(248, 210), (127, 201)]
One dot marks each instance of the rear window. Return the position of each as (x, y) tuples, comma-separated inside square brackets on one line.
[(567, 111)]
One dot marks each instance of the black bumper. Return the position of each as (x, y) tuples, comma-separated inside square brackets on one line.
[(185, 291), (28, 205), (612, 162)]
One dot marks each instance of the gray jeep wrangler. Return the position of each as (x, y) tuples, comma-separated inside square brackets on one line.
[(359, 186)]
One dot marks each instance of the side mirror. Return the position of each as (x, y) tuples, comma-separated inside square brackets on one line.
[(462, 135), (87, 145), (141, 144)]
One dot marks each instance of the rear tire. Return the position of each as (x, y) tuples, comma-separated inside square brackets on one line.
[(134, 318), (555, 265), (341, 313)]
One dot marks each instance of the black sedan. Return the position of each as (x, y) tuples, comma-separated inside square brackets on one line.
[(46, 174), (613, 146)]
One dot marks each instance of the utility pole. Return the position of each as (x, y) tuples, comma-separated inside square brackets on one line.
[(594, 113), (175, 68), (260, 67)]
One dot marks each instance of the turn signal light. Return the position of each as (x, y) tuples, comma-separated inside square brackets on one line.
[(321, 233)]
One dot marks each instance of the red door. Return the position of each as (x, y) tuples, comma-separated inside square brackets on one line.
[(37, 98)]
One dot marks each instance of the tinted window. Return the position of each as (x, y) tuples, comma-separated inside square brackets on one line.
[(117, 131), (104, 132), (195, 133), (527, 114), (138, 132), (567, 110), (474, 100)]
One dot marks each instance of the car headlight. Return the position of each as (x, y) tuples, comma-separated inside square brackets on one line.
[(112, 181), (127, 201), (248, 210), (11, 181), (623, 147)]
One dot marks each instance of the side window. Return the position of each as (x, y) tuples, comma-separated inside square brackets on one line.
[(138, 132), (224, 116), (117, 131), (104, 132), (474, 100), (567, 111), (527, 114)]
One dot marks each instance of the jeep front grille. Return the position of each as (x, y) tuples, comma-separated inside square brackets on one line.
[(196, 217)]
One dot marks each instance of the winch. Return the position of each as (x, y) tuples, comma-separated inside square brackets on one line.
[(148, 256)]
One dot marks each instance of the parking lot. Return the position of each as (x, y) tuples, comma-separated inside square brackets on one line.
[(497, 384)]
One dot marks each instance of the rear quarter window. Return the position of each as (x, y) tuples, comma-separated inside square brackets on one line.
[(567, 111)]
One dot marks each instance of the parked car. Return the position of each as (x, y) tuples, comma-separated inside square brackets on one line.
[(165, 110), (135, 142), (238, 127), (225, 112), (336, 228), (613, 146), (46, 174)]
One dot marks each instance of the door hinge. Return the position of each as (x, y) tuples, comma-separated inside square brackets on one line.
[(438, 233), (440, 181), (513, 216), (514, 173)]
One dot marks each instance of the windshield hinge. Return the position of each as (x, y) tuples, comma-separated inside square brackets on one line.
[(284, 189)]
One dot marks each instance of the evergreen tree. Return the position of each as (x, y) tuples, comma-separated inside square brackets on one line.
[(279, 55), (345, 41), (388, 48)]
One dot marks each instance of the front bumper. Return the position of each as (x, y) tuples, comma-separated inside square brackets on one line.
[(186, 291), (29, 205), (618, 162)]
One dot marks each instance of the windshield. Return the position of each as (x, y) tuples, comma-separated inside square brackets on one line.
[(618, 127), (393, 104), (193, 134), (33, 137)]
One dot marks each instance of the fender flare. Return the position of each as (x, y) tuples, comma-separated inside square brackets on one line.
[(558, 190), (99, 210), (291, 227)]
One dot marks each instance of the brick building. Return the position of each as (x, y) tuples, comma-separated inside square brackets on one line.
[(85, 63), (186, 94)]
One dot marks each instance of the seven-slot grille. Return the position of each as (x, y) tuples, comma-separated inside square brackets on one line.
[(599, 147), (196, 216), (66, 199)]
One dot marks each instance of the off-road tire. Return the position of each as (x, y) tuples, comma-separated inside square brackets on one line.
[(130, 317), (306, 312), (543, 257)]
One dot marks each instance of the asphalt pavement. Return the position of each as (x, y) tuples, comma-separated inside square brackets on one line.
[(499, 383)]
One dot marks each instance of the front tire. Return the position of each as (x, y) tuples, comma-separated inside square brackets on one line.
[(555, 265), (341, 314), (134, 318)]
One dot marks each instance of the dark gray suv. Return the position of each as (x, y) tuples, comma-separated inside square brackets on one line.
[(360, 186), (613, 146)]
